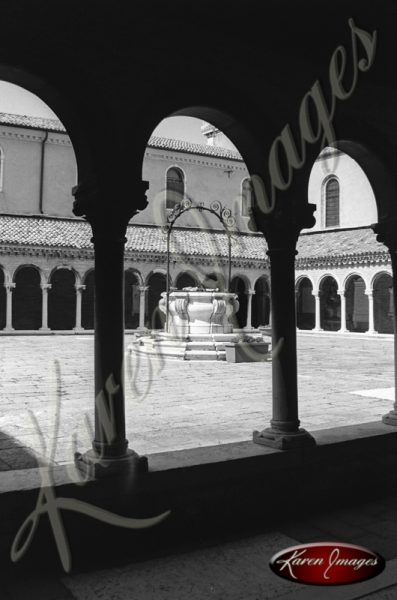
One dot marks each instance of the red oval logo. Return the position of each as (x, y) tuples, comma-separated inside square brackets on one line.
[(327, 563)]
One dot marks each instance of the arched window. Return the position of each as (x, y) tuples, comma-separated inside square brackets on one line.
[(1, 168), (332, 203), (175, 187), (246, 197)]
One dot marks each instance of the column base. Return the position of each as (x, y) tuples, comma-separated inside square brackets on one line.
[(92, 465), (390, 418), (45, 329), (78, 329), (284, 440)]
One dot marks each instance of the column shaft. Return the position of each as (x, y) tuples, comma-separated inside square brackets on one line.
[(284, 431), (44, 306), (142, 302), (250, 293), (9, 288), (343, 328), (79, 295), (317, 312), (110, 441), (371, 327)]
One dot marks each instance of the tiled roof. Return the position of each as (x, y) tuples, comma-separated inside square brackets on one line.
[(31, 122), (182, 146), (56, 232)]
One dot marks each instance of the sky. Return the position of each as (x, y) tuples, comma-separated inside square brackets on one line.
[(16, 100)]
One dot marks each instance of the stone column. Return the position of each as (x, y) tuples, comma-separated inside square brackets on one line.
[(44, 306), (284, 432), (387, 234), (9, 287), (371, 328), (250, 293), (110, 453), (79, 294), (343, 328), (317, 312), (142, 303)]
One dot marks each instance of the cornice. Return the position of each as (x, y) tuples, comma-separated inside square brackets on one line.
[(203, 161), (344, 260)]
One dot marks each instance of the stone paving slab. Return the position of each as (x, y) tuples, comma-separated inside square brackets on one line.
[(178, 404)]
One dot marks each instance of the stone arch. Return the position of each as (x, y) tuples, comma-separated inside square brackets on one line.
[(87, 301), (357, 317), (382, 286), (305, 303), (132, 282), (27, 298), (215, 279), (62, 299), (261, 302), (67, 112), (330, 304), (157, 283), (240, 285)]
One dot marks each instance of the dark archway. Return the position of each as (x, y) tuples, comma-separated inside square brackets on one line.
[(305, 305), (26, 299), (62, 300), (261, 303), (215, 281), (356, 304), (238, 287), (383, 303), (157, 284), (87, 301), (3, 300), (131, 300), (185, 280), (330, 305)]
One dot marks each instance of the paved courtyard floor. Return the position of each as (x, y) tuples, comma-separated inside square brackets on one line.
[(176, 405)]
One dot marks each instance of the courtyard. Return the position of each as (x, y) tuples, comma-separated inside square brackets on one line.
[(174, 405)]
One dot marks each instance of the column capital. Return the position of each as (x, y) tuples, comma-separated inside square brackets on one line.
[(91, 202), (9, 286), (283, 226), (46, 286), (79, 287), (250, 292), (143, 288), (386, 233)]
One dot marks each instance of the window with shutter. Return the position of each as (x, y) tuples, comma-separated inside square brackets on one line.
[(332, 203)]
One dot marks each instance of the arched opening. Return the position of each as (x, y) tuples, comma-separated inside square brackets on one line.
[(383, 303), (215, 281), (305, 305), (261, 303), (87, 301), (3, 301), (238, 287), (175, 187), (131, 300), (330, 305), (157, 285), (27, 299), (356, 304), (62, 300), (185, 280), (332, 212)]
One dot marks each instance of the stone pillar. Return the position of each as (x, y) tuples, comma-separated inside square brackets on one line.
[(9, 287), (250, 293), (371, 328), (343, 328), (79, 294), (284, 432), (44, 306), (387, 234), (142, 303), (110, 453), (317, 312)]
